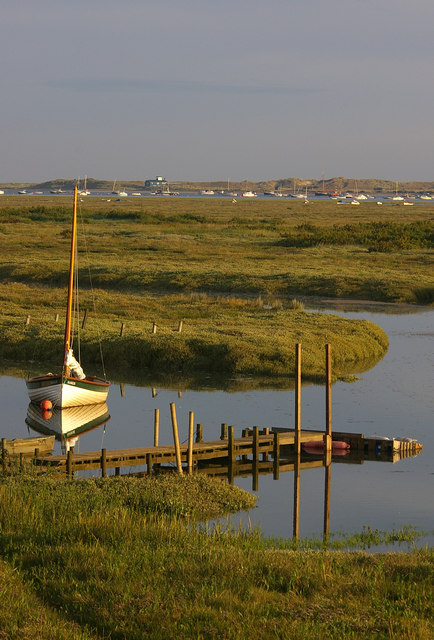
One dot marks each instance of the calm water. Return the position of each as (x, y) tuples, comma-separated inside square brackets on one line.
[(394, 399)]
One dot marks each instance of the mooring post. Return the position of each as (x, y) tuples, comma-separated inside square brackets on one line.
[(154, 327), (199, 435), (327, 479), (180, 326), (224, 431), (148, 464), (276, 455), (296, 513), (122, 389), (231, 452), (176, 437), (156, 426), (255, 451), (69, 463), (190, 442), (328, 431), (297, 399), (103, 463), (122, 329)]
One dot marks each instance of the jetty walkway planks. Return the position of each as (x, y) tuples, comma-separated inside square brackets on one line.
[(260, 444)]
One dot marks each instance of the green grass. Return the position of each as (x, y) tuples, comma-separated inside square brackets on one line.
[(122, 558)]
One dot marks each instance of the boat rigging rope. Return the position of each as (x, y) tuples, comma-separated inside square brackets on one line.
[(83, 234)]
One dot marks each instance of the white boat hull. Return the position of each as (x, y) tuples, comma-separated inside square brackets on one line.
[(64, 391)]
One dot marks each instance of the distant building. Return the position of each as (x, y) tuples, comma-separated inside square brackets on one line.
[(158, 182)]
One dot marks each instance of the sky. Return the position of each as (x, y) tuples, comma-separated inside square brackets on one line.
[(216, 90)]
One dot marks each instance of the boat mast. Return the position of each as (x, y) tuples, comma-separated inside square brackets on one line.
[(71, 281)]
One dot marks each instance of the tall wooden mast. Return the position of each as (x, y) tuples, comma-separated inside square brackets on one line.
[(71, 281)]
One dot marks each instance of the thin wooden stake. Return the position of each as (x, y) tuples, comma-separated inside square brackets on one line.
[(231, 452), (180, 326), (56, 317), (328, 390), (190, 442), (154, 327), (176, 437), (103, 462), (27, 321), (297, 398), (122, 329), (83, 324), (156, 426), (224, 431)]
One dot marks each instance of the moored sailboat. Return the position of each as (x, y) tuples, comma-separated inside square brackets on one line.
[(72, 387)]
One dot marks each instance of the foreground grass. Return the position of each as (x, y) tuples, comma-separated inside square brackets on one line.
[(120, 559)]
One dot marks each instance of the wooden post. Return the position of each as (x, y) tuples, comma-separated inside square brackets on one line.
[(69, 463), (103, 463), (190, 442), (56, 317), (231, 451), (21, 461), (176, 437), (255, 443), (297, 398), (327, 478), (27, 320), (156, 426), (154, 327), (199, 435), (224, 431), (154, 392), (117, 471), (83, 324), (122, 389), (122, 329), (296, 513), (328, 430), (276, 455), (148, 464), (180, 326)]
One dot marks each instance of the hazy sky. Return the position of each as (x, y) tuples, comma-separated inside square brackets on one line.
[(201, 90)]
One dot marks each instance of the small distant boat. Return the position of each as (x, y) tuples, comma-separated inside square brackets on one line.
[(425, 196), (1, 192), (249, 194), (354, 202), (408, 203), (136, 193), (122, 194), (72, 387), (207, 192), (23, 192)]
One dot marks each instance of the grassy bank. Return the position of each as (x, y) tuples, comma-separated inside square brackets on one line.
[(220, 335), (121, 558)]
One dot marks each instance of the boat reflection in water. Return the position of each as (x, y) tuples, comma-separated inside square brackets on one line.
[(69, 423)]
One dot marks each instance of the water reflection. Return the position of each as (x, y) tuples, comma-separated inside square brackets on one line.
[(68, 424)]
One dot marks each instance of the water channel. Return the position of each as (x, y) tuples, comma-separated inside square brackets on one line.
[(395, 399)]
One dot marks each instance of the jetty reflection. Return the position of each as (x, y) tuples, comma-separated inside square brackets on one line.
[(68, 424)]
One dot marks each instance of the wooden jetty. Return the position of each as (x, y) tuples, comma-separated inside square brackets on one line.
[(282, 445)]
